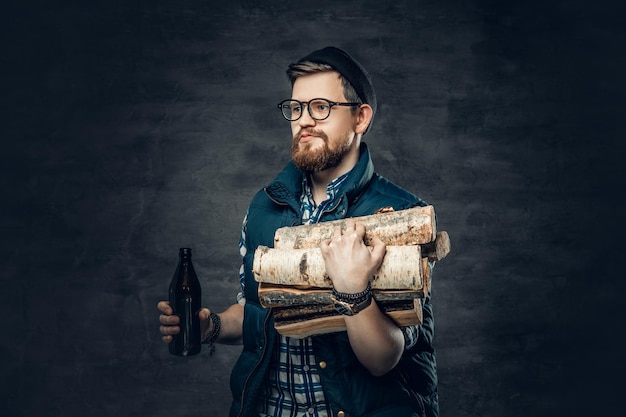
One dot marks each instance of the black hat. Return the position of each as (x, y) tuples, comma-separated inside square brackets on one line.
[(350, 69)]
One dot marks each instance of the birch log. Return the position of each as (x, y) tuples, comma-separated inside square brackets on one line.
[(437, 249), (298, 328), (309, 312), (414, 226), (401, 268), (278, 296)]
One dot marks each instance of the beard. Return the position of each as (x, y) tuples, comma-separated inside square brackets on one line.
[(321, 158)]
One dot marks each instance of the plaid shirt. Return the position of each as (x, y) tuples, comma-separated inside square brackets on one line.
[(294, 388)]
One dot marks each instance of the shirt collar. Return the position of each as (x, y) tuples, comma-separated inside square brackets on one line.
[(331, 189), (311, 211)]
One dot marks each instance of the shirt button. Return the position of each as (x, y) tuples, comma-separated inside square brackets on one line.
[(310, 410), (305, 368), (323, 364), (341, 414)]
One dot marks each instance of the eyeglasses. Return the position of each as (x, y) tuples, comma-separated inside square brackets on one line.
[(319, 108)]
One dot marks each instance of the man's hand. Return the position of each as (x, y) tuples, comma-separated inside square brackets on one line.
[(169, 322), (349, 263)]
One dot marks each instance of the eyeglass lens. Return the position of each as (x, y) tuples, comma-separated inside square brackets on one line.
[(318, 109)]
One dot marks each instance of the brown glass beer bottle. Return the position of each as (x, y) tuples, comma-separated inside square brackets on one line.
[(186, 299)]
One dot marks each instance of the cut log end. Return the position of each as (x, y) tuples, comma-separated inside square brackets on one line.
[(438, 248)]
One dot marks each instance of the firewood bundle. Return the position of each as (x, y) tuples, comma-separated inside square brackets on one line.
[(293, 282)]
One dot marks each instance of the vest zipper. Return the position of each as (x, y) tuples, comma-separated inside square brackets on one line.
[(265, 349)]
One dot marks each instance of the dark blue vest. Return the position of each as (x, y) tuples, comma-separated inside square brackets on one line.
[(410, 389)]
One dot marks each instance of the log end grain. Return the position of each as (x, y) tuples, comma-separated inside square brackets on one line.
[(258, 256)]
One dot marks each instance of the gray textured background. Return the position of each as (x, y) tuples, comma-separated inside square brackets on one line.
[(134, 128)]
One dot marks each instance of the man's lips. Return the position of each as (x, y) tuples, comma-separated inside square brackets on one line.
[(308, 136)]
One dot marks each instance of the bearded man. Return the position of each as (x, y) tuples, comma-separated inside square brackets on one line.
[(374, 368)]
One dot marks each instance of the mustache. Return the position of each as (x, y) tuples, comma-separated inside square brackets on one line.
[(312, 132)]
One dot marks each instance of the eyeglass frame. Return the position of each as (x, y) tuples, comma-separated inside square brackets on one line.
[(308, 108)]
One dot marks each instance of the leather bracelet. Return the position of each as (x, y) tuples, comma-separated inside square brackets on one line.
[(354, 297), (217, 326)]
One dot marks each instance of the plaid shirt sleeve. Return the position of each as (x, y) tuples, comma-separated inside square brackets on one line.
[(410, 334), (243, 249)]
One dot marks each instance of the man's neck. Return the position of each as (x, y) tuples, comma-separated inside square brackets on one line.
[(319, 185), (319, 180)]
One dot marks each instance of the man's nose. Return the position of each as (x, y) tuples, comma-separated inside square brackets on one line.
[(306, 119)]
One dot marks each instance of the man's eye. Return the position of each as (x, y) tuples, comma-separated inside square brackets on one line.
[(322, 107), (296, 109)]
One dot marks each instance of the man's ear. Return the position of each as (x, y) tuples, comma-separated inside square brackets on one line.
[(363, 118)]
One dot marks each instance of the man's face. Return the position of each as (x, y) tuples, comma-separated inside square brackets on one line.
[(321, 144)]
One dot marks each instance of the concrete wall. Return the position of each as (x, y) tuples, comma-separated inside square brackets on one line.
[(133, 128)]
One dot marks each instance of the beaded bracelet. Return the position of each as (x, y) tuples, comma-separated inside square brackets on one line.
[(354, 297), (212, 337)]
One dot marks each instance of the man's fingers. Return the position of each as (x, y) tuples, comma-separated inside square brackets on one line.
[(204, 313), (169, 330), (378, 249), (164, 307), (169, 320), (360, 230), (350, 226)]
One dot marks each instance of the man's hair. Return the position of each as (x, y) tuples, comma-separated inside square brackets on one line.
[(294, 71)]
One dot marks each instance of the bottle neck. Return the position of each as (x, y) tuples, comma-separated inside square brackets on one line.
[(184, 254), (185, 267)]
